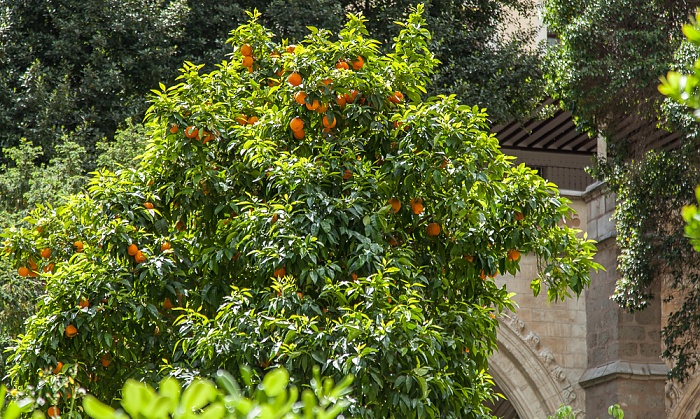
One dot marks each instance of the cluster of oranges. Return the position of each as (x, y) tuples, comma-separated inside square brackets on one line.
[(133, 250), (247, 53), (432, 229)]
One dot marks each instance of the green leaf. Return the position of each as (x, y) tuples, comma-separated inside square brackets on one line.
[(97, 409)]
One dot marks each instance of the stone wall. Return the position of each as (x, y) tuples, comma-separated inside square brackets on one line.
[(624, 349)]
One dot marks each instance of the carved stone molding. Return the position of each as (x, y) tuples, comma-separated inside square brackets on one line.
[(568, 393)]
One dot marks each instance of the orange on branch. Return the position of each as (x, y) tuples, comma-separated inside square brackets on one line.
[(167, 304), (294, 79), (132, 249), (313, 105), (191, 132), (327, 123), (359, 63), (395, 205), (513, 255), (300, 97), (23, 271), (416, 206), (296, 124), (246, 50), (71, 331), (78, 246), (59, 367), (433, 229)]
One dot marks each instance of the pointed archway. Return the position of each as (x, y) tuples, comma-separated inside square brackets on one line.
[(523, 377)]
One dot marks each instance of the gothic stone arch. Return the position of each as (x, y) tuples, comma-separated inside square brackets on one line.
[(528, 374)]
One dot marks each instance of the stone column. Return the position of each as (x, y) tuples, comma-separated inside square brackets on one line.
[(624, 364)]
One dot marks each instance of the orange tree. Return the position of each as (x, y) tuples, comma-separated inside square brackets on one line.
[(298, 206)]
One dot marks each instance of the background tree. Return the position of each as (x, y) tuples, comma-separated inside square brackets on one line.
[(297, 206), (80, 68), (605, 69)]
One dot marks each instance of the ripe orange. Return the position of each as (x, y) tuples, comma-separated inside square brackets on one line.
[(23, 271), (242, 119), (132, 249), (174, 129), (342, 65), (148, 205), (347, 175), (246, 50), (351, 96), (139, 257), (300, 97), (294, 79), (78, 246), (519, 216), (296, 124), (191, 132), (433, 229), (84, 303), (180, 226), (167, 304), (513, 255), (274, 218), (165, 246), (327, 82), (104, 361), (279, 272), (397, 97), (252, 120), (299, 134), (290, 49), (482, 275), (340, 100), (322, 109), (49, 267), (59, 367), (247, 61), (328, 124), (357, 65), (313, 105), (53, 412), (208, 137), (354, 276), (395, 205), (46, 253), (416, 206), (71, 331)]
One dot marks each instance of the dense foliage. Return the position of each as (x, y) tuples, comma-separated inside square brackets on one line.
[(80, 68), (299, 205), (606, 70)]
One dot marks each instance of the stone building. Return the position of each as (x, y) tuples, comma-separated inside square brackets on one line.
[(588, 352)]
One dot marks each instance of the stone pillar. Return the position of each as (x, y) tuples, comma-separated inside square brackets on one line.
[(624, 364)]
